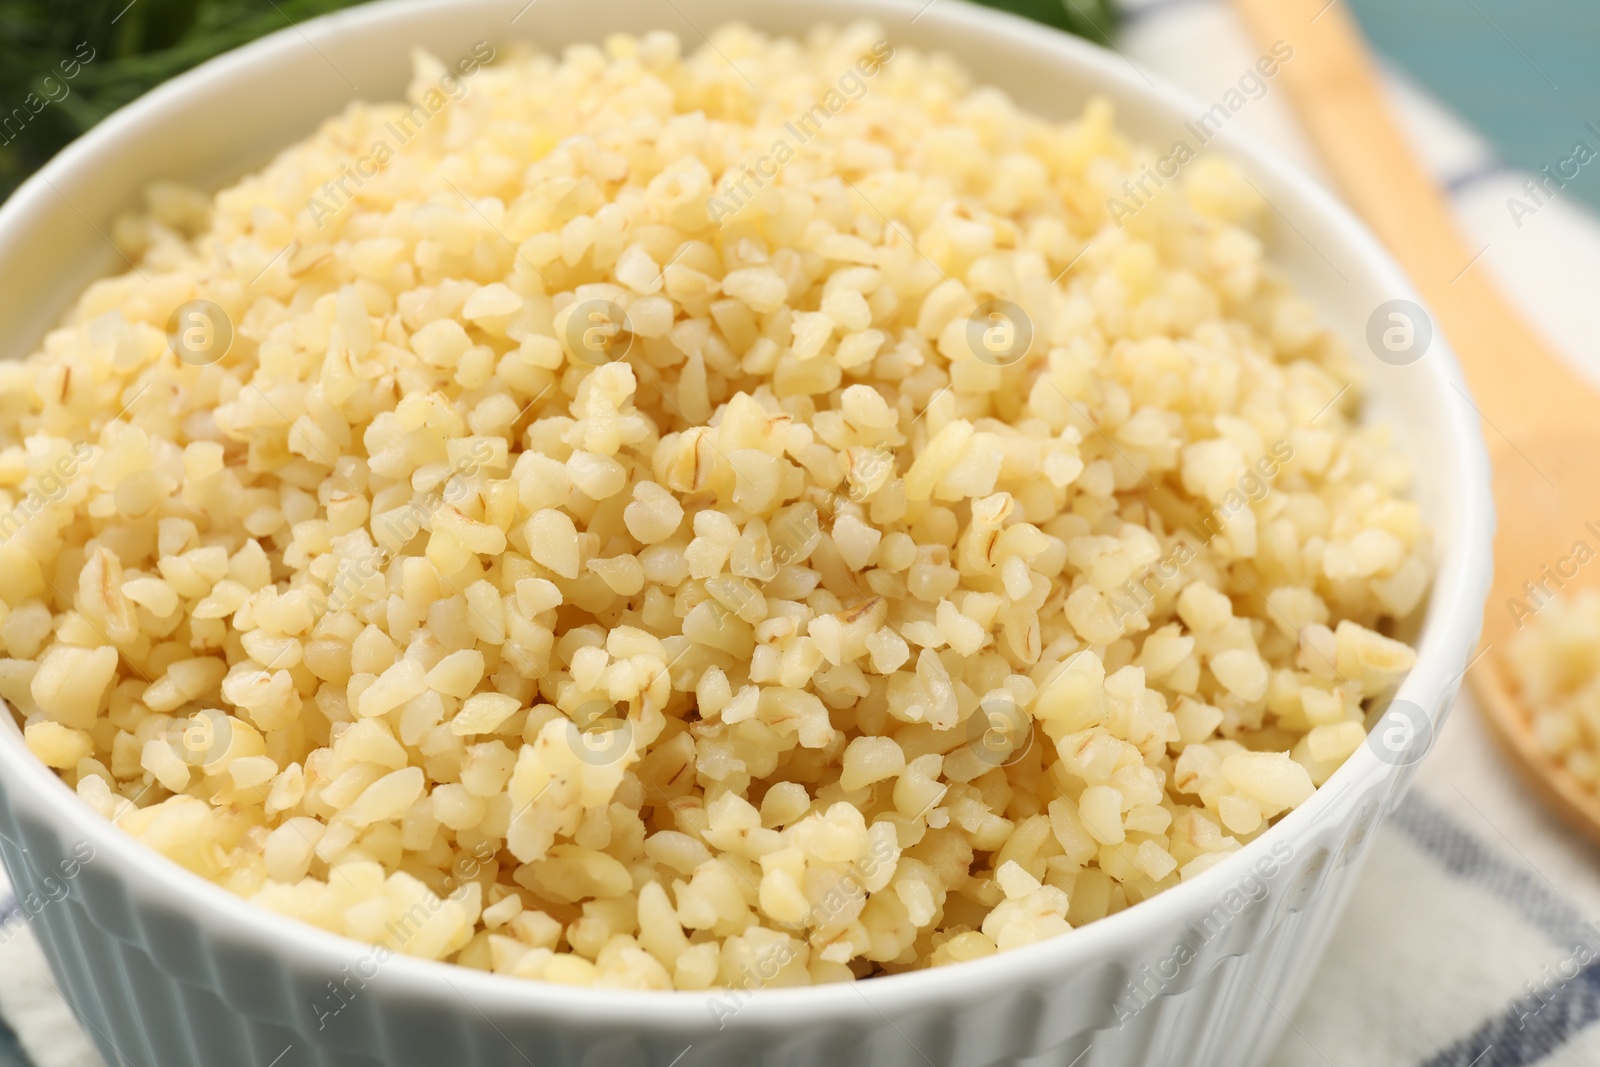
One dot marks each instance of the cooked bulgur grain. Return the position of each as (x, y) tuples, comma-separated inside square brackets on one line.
[(1555, 660), (777, 630)]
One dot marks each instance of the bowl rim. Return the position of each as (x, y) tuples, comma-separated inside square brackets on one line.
[(1452, 618)]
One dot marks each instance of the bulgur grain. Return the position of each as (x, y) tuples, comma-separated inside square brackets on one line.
[(652, 590)]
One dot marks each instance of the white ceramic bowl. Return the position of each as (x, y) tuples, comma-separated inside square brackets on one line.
[(167, 970)]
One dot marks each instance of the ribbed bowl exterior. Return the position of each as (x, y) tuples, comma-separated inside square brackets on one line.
[(158, 985), (165, 970)]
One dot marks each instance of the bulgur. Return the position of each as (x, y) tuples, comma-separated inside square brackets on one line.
[(1555, 662), (653, 576)]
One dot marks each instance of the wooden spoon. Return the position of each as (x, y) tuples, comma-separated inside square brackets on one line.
[(1541, 421)]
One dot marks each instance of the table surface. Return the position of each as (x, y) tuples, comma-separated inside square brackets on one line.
[(1522, 72)]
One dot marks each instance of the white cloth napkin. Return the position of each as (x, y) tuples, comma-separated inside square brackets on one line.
[(1476, 905)]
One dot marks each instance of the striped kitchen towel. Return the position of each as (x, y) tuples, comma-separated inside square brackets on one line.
[(1474, 937), (37, 1028)]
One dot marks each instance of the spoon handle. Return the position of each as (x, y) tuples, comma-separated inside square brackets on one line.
[(1518, 383)]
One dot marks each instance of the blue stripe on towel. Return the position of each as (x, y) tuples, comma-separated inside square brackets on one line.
[(1460, 852), (10, 917), (10, 1052), (1532, 1028), (1460, 183)]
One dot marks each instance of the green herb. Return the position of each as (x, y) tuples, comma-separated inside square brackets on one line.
[(1094, 19), (67, 64)]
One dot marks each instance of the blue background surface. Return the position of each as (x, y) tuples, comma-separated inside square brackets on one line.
[(1524, 73)]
